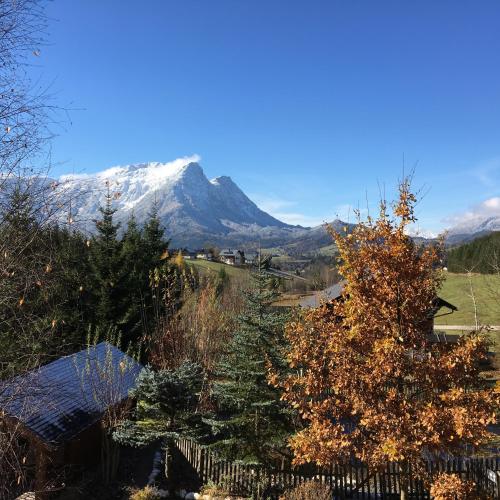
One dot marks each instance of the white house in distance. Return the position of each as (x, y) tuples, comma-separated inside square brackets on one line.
[(204, 254), (232, 257)]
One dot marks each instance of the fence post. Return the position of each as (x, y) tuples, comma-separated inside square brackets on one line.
[(202, 462), (344, 481)]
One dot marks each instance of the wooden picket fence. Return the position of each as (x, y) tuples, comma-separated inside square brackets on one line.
[(354, 480)]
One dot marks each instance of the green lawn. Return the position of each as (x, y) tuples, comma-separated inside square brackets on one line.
[(329, 250), (456, 290), (214, 267)]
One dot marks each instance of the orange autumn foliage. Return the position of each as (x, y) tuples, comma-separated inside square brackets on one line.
[(366, 378), (452, 487)]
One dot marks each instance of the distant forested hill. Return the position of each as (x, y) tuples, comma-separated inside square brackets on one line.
[(481, 255)]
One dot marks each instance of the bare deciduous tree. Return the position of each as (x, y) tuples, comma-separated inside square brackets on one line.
[(25, 115), (105, 381)]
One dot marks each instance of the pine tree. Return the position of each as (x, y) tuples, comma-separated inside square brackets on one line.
[(108, 269), (24, 257), (44, 296), (252, 423), (137, 282), (154, 240), (70, 297), (155, 253), (478, 256), (166, 408)]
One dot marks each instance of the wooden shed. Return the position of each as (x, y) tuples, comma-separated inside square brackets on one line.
[(59, 406)]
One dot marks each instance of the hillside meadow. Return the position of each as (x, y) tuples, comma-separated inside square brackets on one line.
[(210, 267), (456, 289), (459, 290)]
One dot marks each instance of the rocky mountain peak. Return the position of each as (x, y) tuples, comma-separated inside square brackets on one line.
[(192, 209)]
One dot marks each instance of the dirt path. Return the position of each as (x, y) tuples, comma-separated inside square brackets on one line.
[(462, 327)]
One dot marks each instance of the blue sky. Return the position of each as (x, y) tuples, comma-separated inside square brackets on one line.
[(309, 106)]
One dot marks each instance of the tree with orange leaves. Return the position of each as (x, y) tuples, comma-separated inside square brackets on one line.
[(367, 380)]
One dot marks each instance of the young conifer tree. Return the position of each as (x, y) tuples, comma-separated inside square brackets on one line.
[(68, 306), (108, 271), (154, 239), (166, 409), (369, 382), (135, 261), (253, 424), (155, 255)]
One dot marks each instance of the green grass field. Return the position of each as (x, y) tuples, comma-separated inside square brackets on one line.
[(205, 266), (329, 250), (456, 290)]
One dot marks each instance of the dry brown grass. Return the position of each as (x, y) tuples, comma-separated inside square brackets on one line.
[(146, 493), (311, 490)]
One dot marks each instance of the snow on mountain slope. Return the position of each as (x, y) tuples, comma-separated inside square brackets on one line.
[(478, 225), (193, 209), (473, 229), (478, 221)]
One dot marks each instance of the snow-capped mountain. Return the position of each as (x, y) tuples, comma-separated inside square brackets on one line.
[(193, 209), (471, 229), (479, 220)]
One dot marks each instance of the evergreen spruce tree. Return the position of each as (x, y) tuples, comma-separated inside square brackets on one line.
[(23, 260), (481, 255), (154, 239), (137, 282), (44, 299), (166, 408), (252, 423), (70, 296), (108, 270), (155, 254)]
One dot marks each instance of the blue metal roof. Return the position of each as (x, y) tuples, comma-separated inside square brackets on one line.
[(59, 400)]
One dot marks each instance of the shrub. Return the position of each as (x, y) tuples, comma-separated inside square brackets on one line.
[(215, 490), (146, 493), (452, 487), (311, 490)]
